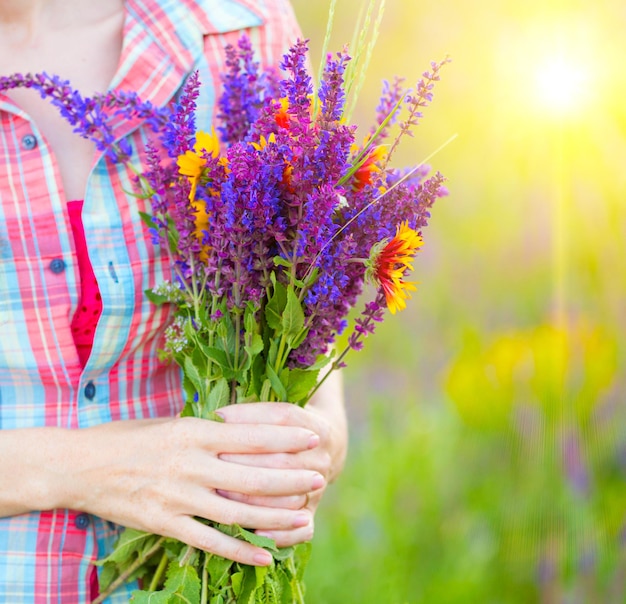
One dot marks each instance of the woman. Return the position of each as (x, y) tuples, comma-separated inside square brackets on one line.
[(90, 439)]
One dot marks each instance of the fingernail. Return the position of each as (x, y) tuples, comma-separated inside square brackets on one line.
[(314, 441), (263, 559), (318, 481), (301, 520)]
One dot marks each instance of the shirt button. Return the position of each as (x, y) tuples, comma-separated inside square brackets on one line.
[(81, 521), (57, 266), (29, 142), (90, 391)]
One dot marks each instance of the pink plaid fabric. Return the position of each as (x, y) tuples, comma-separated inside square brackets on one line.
[(47, 556)]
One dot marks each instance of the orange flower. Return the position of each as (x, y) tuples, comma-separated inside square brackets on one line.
[(389, 259), (282, 116), (363, 174), (191, 163)]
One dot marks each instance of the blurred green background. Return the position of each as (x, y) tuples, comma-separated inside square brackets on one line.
[(488, 432)]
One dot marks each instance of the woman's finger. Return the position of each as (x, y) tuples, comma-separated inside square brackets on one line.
[(263, 481), (283, 414), (259, 438), (285, 461), (203, 537), (294, 502)]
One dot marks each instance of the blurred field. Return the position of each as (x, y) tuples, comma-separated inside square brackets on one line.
[(488, 444)]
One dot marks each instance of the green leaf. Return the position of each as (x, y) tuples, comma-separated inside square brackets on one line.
[(107, 575), (300, 338), (148, 220), (293, 317), (190, 391), (285, 585), (236, 579), (302, 557), (271, 590), (323, 360), (157, 299), (256, 377), (272, 355), (280, 261), (219, 570), (217, 356), (188, 410), (172, 235), (282, 553), (150, 597), (131, 542), (219, 395), (260, 573), (199, 360), (249, 318), (275, 307), (255, 345), (193, 375), (183, 583), (277, 385), (248, 586), (258, 540), (301, 382), (226, 332)]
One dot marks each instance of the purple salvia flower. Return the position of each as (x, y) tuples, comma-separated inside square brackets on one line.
[(390, 97), (92, 118), (366, 324), (298, 87), (180, 130), (418, 100), (331, 90), (240, 102)]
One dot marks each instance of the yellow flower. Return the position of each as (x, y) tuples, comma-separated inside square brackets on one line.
[(191, 163), (264, 142), (388, 262)]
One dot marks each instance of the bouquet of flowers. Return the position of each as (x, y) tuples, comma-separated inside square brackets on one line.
[(274, 222)]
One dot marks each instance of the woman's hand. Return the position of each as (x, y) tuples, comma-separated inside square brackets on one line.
[(325, 416), (265, 468), (157, 475)]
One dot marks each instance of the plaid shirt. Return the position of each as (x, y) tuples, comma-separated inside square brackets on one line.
[(47, 556)]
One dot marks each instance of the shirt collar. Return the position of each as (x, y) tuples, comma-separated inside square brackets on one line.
[(164, 40)]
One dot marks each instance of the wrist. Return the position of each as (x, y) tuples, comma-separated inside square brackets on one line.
[(34, 469)]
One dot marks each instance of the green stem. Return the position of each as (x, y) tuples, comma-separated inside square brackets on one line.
[(189, 551), (204, 593), (280, 353), (129, 571), (298, 595), (158, 573), (233, 387), (194, 285)]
